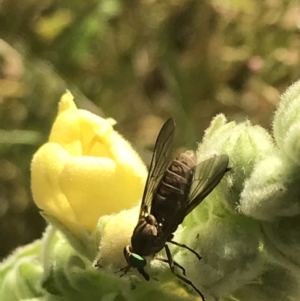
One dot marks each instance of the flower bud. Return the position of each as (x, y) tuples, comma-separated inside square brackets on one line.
[(271, 191), (115, 232), (286, 123), (231, 257), (85, 171), (245, 144), (282, 241), (21, 273), (275, 283)]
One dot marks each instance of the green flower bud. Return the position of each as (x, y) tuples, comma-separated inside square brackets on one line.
[(70, 276), (246, 145), (73, 277), (20, 274), (230, 250), (272, 190), (282, 241), (287, 123), (217, 126), (276, 283)]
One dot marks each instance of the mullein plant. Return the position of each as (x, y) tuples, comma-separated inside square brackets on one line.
[(87, 182)]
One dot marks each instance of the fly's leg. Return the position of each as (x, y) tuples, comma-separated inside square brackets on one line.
[(126, 269), (186, 247), (145, 275), (174, 263), (97, 265), (187, 281), (123, 270)]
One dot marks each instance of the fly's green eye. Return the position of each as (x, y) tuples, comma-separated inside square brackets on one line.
[(137, 261)]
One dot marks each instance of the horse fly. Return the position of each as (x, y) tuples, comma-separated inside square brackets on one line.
[(173, 189)]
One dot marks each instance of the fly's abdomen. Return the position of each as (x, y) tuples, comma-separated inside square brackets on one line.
[(172, 193)]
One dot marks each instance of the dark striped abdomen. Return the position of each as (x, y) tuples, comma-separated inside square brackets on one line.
[(171, 198)]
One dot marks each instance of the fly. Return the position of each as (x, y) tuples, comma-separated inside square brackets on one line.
[(173, 189)]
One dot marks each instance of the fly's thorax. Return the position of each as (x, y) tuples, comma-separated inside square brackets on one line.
[(144, 235)]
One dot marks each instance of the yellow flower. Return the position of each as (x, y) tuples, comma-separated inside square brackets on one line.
[(85, 170)]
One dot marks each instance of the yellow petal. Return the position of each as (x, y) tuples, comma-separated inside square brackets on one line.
[(93, 128), (66, 131), (97, 187), (66, 102), (46, 166)]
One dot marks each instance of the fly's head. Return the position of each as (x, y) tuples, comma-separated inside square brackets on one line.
[(143, 243), (134, 260)]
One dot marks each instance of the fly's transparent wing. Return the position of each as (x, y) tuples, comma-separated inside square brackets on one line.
[(160, 161), (207, 176)]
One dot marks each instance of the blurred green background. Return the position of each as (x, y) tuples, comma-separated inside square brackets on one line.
[(139, 62)]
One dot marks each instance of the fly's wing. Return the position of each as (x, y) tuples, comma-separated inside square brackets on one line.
[(160, 161), (207, 176)]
